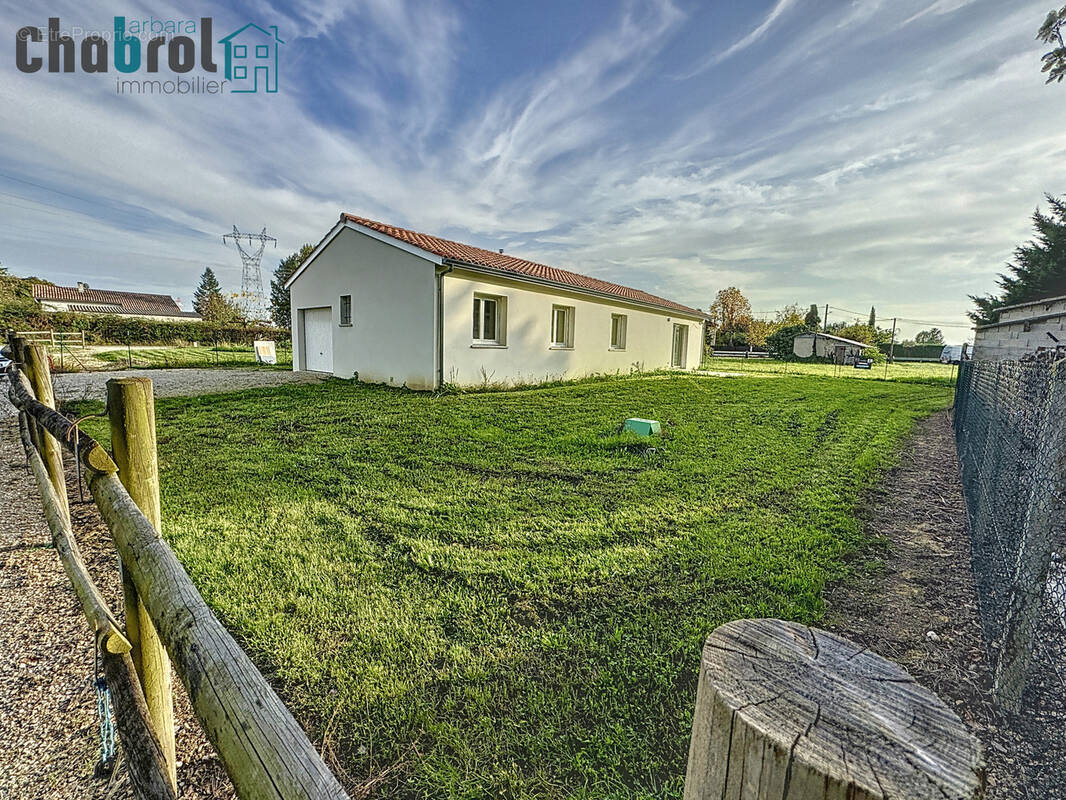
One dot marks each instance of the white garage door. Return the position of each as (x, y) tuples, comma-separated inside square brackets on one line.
[(318, 339)]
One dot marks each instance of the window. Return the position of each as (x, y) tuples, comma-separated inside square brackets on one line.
[(346, 309), (262, 51), (240, 72), (618, 331), (562, 326), (240, 51), (488, 320)]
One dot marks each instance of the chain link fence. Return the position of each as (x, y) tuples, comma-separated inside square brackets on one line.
[(1010, 427)]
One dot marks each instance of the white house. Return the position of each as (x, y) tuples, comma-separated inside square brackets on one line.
[(1022, 329), (390, 305), (825, 345)]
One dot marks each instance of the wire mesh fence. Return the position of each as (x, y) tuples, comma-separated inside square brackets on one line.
[(1010, 426)]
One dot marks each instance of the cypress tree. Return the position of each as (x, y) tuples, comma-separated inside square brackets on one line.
[(209, 287)]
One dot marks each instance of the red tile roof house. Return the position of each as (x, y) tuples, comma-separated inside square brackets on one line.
[(81, 299), (390, 305)]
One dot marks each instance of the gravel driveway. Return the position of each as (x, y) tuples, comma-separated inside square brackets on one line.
[(171, 382)]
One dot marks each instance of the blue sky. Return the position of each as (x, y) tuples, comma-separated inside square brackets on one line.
[(873, 152)]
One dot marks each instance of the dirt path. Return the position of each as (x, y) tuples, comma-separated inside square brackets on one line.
[(48, 721), (920, 609)]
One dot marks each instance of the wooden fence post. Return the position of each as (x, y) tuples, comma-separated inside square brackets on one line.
[(788, 712), (40, 374), (131, 410)]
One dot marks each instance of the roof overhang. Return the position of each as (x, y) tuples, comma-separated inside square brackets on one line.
[(344, 223), (613, 298)]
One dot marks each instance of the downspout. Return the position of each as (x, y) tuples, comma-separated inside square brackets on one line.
[(440, 324)]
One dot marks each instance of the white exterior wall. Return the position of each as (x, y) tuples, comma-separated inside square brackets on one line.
[(392, 335), (808, 344), (803, 346), (528, 355)]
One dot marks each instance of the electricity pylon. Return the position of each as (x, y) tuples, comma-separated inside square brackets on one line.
[(252, 301)]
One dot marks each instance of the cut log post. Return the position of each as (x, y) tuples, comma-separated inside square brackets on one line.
[(40, 375), (131, 409), (788, 712)]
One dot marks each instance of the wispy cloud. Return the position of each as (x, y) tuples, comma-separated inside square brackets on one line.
[(851, 163), (746, 41)]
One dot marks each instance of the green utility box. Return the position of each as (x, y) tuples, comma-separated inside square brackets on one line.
[(642, 427)]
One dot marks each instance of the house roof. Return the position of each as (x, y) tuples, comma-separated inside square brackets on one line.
[(106, 301), (239, 31), (511, 266), (819, 335)]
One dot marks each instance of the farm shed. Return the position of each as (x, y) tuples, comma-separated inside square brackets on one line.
[(825, 345), (1022, 329), (390, 305)]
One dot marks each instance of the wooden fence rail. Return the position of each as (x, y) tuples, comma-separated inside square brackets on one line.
[(263, 749)]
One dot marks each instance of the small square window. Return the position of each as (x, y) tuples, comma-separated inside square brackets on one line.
[(346, 309), (488, 320), (562, 326), (262, 51), (618, 331), (240, 72), (240, 51)]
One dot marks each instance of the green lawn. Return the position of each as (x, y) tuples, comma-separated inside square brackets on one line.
[(910, 371), (496, 594), (166, 357)]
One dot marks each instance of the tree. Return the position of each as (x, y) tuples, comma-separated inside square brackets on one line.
[(813, 320), (789, 315), (280, 311), (730, 310), (209, 288), (872, 324), (931, 336), (779, 343), (1039, 268), (759, 330), (1051, 33), (221, 310)]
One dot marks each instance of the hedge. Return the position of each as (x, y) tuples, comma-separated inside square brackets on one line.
[(914, 351), (110, 329)]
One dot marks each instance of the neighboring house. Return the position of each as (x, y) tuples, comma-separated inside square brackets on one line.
[(81, 299), (1022, 329), (252, 59), (825, 345), (394, 306)]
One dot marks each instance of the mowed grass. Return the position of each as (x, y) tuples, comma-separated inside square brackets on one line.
[(907, 371), (497, 594), (171, 357)]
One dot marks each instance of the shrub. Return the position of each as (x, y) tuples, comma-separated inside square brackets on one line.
[(106, 328), (779, 343)]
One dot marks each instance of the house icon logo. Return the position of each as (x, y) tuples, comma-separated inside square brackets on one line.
[(252, 59)]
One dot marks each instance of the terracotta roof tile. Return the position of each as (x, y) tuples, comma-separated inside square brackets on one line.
[(510, 265), (160, 305)]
